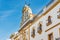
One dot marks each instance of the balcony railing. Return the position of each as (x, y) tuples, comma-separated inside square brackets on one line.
[(49, 21)]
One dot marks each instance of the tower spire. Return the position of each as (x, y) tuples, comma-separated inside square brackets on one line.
[(26, 12)]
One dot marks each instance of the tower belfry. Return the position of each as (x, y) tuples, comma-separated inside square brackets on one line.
[(26, 12)]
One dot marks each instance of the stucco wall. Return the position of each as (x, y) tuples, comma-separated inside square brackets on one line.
[(53, 13)]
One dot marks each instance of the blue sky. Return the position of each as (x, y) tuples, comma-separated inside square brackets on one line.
[(11, 13)]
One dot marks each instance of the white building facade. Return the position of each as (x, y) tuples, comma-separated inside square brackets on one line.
[(43, 26)]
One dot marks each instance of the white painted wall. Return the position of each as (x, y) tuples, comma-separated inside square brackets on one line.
[(44, 34)]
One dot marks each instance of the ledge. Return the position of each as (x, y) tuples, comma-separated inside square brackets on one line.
[(53, 27)]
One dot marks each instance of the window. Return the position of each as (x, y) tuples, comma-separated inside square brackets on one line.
[(39, 30), (49, 21), (50, 36), (58, 14), (33, 33)]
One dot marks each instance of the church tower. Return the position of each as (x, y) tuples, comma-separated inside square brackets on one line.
[(26, 13)]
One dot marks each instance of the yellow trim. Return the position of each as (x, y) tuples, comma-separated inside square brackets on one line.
[(39, 18), (16, 37), (46, 12), (29, 33), (52, 27), (43, 14), (59, 0), (22, 31)]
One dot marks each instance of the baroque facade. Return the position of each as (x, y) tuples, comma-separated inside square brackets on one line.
[(43, 26)]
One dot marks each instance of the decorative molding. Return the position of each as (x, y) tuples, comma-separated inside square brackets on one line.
[(59, 0), (41, 15), (31, 23), (53, 27), (49, 21), (39, 30)]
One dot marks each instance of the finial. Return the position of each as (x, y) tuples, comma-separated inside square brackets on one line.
[(27, 2)]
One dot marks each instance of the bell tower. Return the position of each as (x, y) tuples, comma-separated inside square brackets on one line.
[(26, 12)]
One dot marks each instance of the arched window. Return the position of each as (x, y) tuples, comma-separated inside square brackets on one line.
[(39, 30), (49, 21), (33, 32)]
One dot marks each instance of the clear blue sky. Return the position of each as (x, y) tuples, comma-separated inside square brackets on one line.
[(11, 12)]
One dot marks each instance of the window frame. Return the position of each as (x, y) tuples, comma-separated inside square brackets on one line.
[(49, 21), (39, 29), (33, 32), (49, 36)]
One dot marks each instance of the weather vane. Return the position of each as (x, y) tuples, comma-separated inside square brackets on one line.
[(27, 2)]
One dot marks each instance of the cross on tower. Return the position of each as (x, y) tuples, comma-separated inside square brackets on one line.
[(27, 2)]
